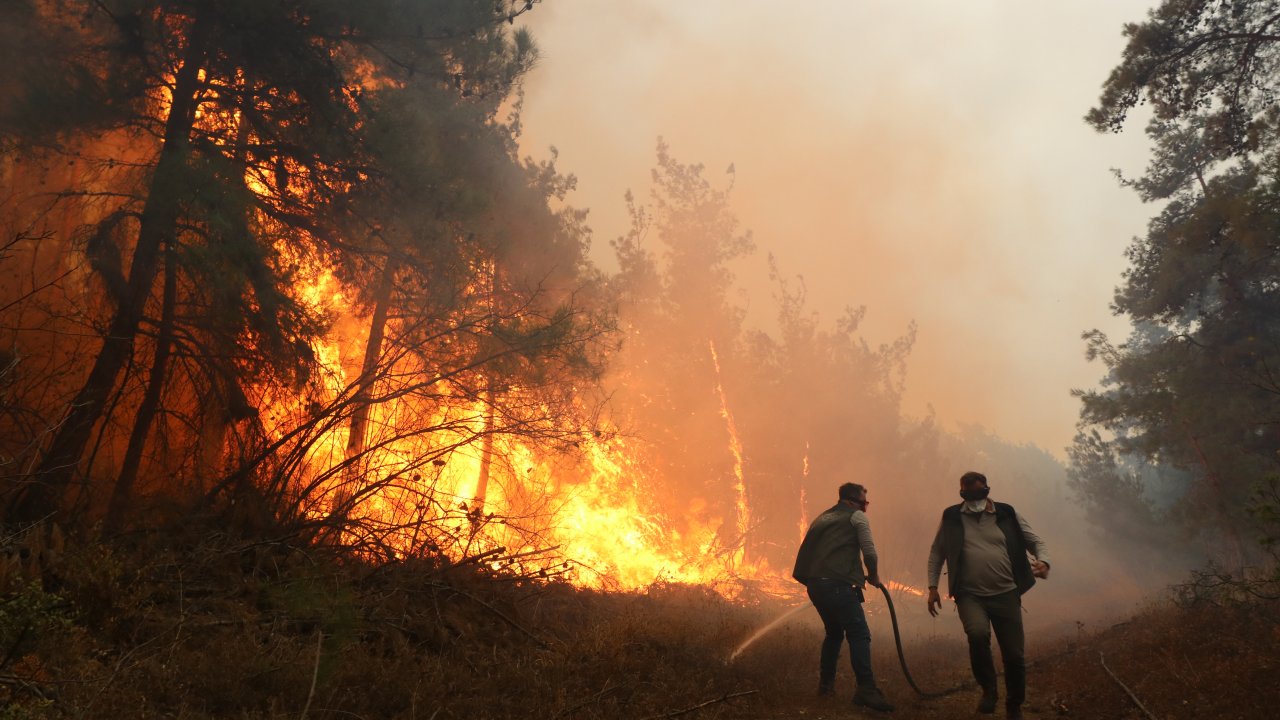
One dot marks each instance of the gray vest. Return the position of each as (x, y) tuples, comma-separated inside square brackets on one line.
[(830, 549)]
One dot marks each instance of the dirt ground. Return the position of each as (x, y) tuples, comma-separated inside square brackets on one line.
[(1164, 662), (269, 632)]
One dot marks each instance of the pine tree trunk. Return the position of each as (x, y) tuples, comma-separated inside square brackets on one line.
[(372, 351), (486, 443), (211, 442), (486, 452), (216, 410), (43, 496), (150, 402)]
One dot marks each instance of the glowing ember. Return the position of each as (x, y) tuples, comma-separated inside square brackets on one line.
[(903, 588)]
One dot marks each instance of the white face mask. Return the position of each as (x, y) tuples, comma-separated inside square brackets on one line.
[(976, 506)]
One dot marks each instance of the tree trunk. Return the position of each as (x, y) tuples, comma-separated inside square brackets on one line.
[(486, 443), (150, 402), (43, 496), (486, 452), (372, 351), (224, 403)]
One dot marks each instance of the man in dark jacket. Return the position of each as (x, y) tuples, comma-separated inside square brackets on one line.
[(830, 566), (985, 546)]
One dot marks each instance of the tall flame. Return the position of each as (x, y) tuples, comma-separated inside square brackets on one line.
[(462, 491), (587, 517), (735, 446), (804, 481)]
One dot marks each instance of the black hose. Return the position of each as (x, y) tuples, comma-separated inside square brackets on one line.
[(897, 639)]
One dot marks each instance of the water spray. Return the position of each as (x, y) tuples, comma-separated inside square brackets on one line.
[(897, 641), (764, 630)]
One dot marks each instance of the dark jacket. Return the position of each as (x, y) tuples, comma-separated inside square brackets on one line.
[(835, 547), (952, 532)]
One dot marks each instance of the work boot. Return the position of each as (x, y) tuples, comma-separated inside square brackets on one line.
[(1013, 712), (987, 705), (870, 696), (826, 687)]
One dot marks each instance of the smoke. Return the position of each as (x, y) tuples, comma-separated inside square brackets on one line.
[(926, 161)]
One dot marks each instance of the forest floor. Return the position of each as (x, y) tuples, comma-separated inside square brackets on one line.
[(1168, 662), (219, 628)]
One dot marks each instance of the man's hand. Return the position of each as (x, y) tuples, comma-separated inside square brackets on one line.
[(1040, 569), (935, 602), (874, 580)]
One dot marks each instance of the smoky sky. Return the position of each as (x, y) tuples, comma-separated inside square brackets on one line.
[(925, 159)]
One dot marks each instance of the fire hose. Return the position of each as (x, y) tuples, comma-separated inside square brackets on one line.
[(902, 658), (897, 639)]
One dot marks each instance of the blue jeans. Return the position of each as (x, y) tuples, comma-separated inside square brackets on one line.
[(839, 605)]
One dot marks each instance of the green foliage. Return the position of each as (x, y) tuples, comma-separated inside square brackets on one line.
[(1193, 392), (28, 613), (32, 622), (1214, 60), (1133, 504)]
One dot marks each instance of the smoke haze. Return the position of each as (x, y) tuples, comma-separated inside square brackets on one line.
[(926, 160)]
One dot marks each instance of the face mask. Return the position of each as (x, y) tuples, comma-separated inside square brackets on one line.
[(974, 496)]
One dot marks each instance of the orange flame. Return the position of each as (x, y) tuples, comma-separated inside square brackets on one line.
[(804, 509), (904, 588), (735, 446), (587, 518)]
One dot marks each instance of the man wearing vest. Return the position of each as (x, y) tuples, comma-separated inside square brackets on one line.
[(830, 566), (985, 546)]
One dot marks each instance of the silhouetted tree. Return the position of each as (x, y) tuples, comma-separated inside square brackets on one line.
[(1194, 387)]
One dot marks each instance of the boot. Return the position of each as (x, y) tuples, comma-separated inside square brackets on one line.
[(826, 687), (1013, 712), (987, 705), (870, 696)]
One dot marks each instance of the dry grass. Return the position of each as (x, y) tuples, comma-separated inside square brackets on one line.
[(226, 630), (273, 631)]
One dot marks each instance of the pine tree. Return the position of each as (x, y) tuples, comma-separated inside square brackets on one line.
[(253, 120), (1194, 388)]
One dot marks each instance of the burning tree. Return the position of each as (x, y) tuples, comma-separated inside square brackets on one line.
[(682, 337), (282, 261), (238, 170), (746, 430)]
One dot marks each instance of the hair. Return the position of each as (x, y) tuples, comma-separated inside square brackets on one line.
[(852, 491), (971, 478)]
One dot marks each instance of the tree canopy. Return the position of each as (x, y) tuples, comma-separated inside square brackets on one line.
[(1193, 391), (217, 173)]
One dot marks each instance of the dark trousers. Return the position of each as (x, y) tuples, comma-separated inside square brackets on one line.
[(1002, 613), (839, 605)]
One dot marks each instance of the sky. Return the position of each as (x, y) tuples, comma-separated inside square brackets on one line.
[(926, 159)]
